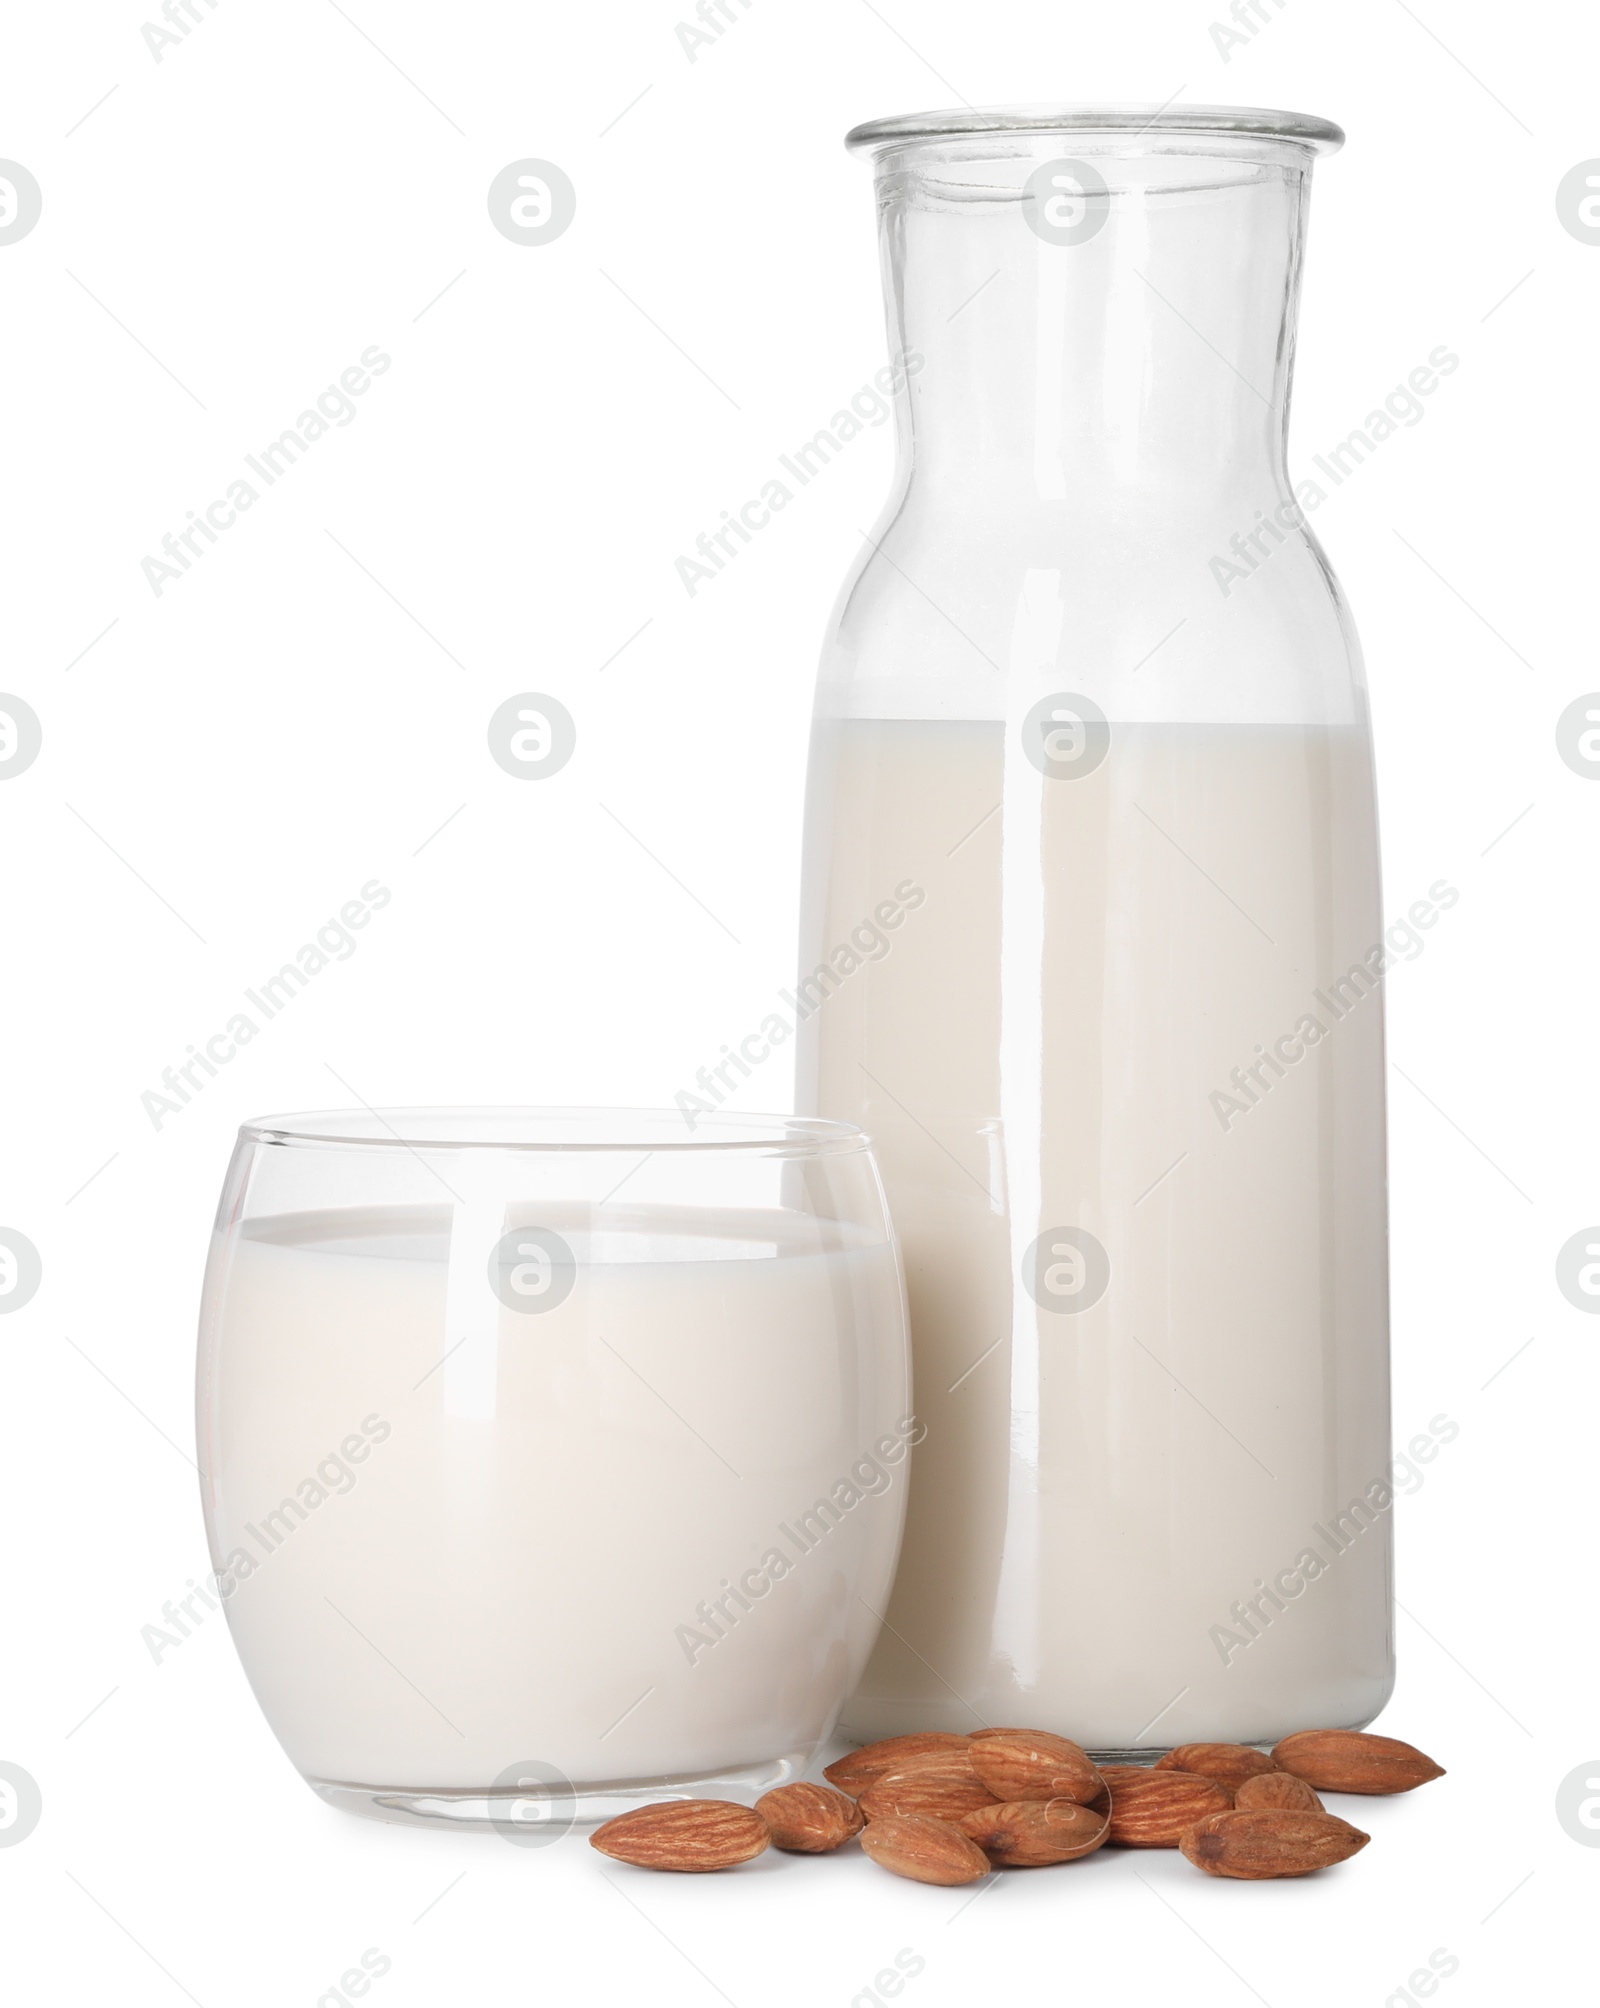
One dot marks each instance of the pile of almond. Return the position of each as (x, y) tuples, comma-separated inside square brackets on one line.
[(946, 1809)]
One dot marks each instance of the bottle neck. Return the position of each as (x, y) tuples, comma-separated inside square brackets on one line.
[(1065, 345)]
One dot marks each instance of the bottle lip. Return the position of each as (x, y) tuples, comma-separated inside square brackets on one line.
[(1124, 122)]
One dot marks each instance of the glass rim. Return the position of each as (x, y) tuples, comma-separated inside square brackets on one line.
[(556, 1131), (1317, 135)]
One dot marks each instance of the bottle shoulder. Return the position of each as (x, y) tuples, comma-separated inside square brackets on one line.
[(1172, 614)]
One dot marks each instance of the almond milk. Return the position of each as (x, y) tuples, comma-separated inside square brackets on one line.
[(1124, 1520), (642, 1535)]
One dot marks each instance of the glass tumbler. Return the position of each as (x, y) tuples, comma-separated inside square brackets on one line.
[(552, 1460)]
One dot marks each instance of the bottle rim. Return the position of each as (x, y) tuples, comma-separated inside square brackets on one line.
[(1116, 121)]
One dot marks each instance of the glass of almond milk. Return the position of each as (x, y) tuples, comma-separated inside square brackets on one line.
[(552, 1460)]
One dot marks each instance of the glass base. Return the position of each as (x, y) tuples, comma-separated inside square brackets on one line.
[(534, 1813)]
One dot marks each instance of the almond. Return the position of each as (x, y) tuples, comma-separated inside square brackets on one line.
[(809, 1819), (1033, 1764), (978, 1735), (685, 1834), (1252, 1846), (1348, 1760), (939, 1785), (1228, 1763), (1033, 1833), (929, 1851), (1153, 1809), (1278, 1789), (861, 1767)]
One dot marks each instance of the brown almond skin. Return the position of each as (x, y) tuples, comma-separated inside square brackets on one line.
[(938, 1785), (809, 1819), (1279, 1791), (1033, 1764), (1254, 1846), (853, 1773), (1349, 1760), (1109, 1773), (1229, 1763), (1034, 1833), (1154, 1809), (929, 1851), (688, 1835), (978, 1735)]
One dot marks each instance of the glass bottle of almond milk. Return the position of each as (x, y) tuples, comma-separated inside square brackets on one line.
[(1092, 779)]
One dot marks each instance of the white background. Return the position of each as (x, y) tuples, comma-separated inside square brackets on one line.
[(225, 765)]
